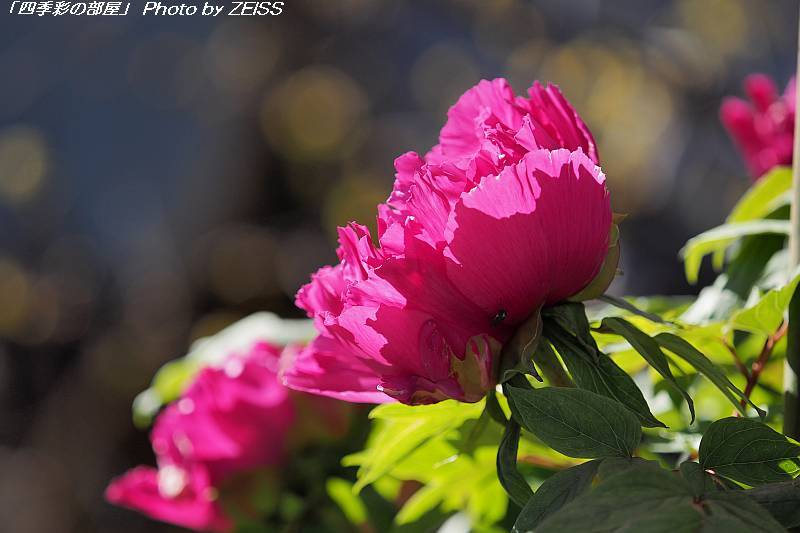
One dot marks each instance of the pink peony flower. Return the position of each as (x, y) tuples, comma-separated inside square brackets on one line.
[(174, 494), (508, 213), (230, 420), (763, 128)]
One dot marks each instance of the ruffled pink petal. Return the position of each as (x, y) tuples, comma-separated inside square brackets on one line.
[(486, 103), (356, 251), (534, 235), (323, 294), (555, 123), (418, 281), (188, 500), (327, 368), (406, 167)]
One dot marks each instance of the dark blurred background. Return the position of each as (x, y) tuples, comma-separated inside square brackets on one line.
[(161, 177)]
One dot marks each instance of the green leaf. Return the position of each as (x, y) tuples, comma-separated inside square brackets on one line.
[(341, 492), (494, 409), (754, 259), (628, 306), (571, 317), (733, 512), (782, 500), (510, 478), (611, 466), (168, 383), (598, 373), (748, 451), (648, 498), (406, 428), (720, 238), (764, 196), (648, 348), (557, 491), (576, 422), (517, 354), (705, 366), (766, 315), (425, 444)]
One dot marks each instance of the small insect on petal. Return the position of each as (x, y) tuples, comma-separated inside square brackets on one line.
[(499, 317)]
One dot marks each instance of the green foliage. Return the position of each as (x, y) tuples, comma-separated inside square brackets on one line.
[(428, 445), (749, 452), (404, 431), (614, 374)]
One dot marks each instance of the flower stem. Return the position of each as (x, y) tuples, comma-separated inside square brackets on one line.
[(761, 362), (791, 370), (736, 359)]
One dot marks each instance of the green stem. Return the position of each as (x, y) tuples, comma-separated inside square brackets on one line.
[(791, 370), (551, 368)]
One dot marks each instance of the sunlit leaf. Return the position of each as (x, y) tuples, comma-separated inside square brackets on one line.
[(719, 238), (454, 478), (341, 491), (764, 196), (405, 429), (766, 315), (770, 192)]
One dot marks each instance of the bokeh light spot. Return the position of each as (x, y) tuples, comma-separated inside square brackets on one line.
[(23, 163)]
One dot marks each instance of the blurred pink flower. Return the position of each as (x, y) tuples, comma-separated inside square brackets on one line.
[(508, 213), (178, 495), (763, 128), (229, 420)]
